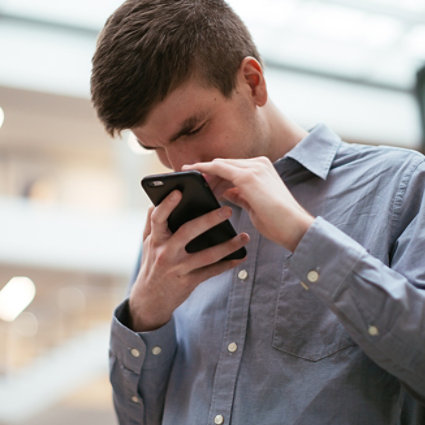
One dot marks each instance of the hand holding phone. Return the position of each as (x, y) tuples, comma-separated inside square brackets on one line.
[(198, 199)]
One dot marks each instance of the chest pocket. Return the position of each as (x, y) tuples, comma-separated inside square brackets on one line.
[(303, 326)]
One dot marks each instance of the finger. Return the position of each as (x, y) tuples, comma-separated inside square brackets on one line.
[(162, 211), (222, 174), (220, 186), (148, 226), (200, 275), (234, 195), (217, 184), (215, 254), (242, 163), (193, 228), (225, 169), (239, 163)]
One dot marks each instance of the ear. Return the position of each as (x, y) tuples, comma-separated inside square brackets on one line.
[(251, 73)]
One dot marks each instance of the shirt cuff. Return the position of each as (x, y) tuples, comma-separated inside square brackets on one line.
[(324, 258), (141, 350)]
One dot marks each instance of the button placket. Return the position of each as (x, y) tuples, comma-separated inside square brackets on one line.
[(234, 338)]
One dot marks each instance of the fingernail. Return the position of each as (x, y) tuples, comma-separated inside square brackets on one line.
[(244, 237), (175, 195)]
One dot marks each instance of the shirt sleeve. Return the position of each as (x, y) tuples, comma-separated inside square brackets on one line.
[(140, 364), (382, 307)]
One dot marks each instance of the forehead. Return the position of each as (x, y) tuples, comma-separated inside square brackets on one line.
[(189, 100)]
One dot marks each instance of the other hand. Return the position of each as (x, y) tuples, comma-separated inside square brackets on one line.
[(254, 185)]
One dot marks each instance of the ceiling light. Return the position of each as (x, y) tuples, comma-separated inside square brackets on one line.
[(15, 297)]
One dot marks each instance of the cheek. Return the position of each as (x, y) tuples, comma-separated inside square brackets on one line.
[(230, 141)]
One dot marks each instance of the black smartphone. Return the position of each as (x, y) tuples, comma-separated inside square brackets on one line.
[(197, 200)]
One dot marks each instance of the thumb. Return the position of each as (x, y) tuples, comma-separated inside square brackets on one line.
[(233, 195)]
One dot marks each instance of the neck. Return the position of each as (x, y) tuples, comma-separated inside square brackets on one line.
[(284, 134)]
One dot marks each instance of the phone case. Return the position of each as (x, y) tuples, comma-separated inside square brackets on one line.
[(198, 199)]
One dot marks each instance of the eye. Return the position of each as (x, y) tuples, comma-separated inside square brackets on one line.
[(147, 148), (137, 147), (195, 130)]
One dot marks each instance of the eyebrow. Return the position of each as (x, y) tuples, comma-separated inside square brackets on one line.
[(188, 125)]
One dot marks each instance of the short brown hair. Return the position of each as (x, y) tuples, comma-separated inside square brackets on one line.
[(149, 47)]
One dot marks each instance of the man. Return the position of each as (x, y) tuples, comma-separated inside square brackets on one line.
[(323, 322)]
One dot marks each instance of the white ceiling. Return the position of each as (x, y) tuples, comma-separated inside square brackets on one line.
[(373, 47), (377, 41)]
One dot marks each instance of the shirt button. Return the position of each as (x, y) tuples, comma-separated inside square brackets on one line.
[(135, 352), (373, 330), (219, 419), (232, 347), (135, 399), (312, 276), (156, 350), (243, 274)]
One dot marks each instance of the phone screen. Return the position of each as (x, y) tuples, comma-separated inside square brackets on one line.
[(197, 200)]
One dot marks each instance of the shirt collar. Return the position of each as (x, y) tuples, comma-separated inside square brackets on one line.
[(315, 152)]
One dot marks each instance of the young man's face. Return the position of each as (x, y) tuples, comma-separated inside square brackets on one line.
[(195, 124)]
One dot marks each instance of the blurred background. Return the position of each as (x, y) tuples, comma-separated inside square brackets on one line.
[(71, 207)]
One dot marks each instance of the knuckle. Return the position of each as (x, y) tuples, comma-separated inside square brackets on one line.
[(155, 215), (162, 258), (263, 164)]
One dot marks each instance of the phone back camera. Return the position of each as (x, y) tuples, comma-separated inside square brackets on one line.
[(155, 183)]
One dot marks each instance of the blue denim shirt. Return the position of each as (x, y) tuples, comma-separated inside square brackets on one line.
[(331, 334)]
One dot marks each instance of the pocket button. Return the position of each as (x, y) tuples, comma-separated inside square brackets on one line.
[(373, 330), (312, 276)]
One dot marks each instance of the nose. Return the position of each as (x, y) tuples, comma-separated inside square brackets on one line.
[(177, 157)]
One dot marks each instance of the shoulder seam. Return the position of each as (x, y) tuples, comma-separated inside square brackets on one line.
[(397, 204)]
